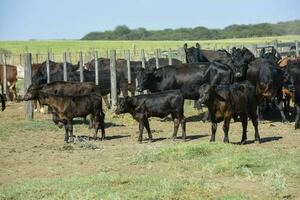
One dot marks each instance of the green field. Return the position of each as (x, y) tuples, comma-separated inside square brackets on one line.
[(59, 47), (39, 48)]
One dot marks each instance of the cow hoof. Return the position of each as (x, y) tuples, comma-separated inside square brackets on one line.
[(285, 121), (226, 141), (257, 141), (150, 140), (71, 139), (243, 142)]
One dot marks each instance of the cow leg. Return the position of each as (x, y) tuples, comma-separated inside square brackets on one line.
[(226, 129), (280, 108), (259, 112), (183, 126), (244, 120), (255, 124), (66, 133), (35, 105), (91, 123), (102, 125), (105, 98), (146, 123), (214, 126), (176, 126), (297, 120), (70, 125), (96, 124), (14, 89), (141, 129)]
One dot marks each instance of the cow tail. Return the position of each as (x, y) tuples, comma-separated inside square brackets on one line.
[(2, 102)]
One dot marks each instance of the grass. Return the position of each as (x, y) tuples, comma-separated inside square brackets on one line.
[(78, 45), (225, 159), (13, 127), (110, 185)]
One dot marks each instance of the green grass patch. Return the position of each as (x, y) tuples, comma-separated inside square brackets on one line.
[(105, 186), (225, 159), (60, 46), (32, 127)]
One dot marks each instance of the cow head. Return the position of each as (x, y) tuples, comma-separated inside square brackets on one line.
[(192, 53), (204, 93), (32, 92), (123, 105), (241, 58), (143, 77)]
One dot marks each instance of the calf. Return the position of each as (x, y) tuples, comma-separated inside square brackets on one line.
[(158, 104), (67, 106), (226, 101)]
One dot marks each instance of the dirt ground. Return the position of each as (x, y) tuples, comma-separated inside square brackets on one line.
[(37, 153)]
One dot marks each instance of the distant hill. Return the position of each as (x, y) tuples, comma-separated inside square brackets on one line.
[(198, 33)]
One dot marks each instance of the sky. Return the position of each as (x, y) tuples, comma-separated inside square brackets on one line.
[(72, 19)]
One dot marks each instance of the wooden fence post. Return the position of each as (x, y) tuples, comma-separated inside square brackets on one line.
[(276, 45), (157, 58), (170, 56), (143, 58), (107, 55), (70, 57), (47, 66), (21, 59), (37, 58), (4, 75), (127, 57), (96, 69), (113, 79), (297, 48), (27, 83), (81, 66), (65, 66)]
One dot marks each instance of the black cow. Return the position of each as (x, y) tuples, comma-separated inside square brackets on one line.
[(151, 63), (40, 75), (184, 77), (268, 81), (293, 70), (273, 56), (194, 55), (58, 96), (241, 59), (2, 102), (226, 101), (159, 104)]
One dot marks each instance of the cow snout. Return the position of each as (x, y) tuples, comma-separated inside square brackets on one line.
[(138, 89), (238, 75)]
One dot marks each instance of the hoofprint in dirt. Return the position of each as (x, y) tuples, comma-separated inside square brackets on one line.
[(36, 163)]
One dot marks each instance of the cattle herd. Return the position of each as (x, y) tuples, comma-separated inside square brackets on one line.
[(234, 85)]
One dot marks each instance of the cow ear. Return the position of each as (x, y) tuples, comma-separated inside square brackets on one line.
[(197, 45), (185, 46)]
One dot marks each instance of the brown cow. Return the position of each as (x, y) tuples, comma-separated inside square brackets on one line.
[(11, 76), (69, 100)]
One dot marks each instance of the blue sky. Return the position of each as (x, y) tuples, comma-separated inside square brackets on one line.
[(70, 19)]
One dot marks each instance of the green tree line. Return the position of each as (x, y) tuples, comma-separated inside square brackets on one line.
[(122, 32)]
